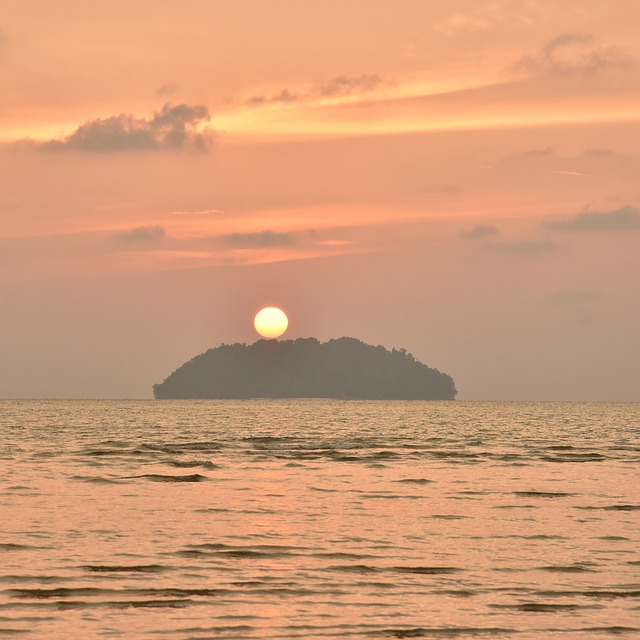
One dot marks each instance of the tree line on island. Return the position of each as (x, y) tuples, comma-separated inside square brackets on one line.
[(306, 368)]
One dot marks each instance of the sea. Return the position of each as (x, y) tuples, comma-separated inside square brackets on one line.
[(196, 520)]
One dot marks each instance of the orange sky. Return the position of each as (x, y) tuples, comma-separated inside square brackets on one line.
[(458, 179)]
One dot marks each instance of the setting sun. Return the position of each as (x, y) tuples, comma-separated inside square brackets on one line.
[(271, 322)]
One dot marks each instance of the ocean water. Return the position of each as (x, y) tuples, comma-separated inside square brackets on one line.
[(319, 519)]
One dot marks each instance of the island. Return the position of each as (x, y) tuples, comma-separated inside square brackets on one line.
[(343, 368)]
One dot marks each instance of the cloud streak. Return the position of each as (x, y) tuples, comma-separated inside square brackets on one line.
[(173, 127), (486, 16), (166, 89), (573, 53), (142, 234), (623, 219), (480, 231), (259, 240), (577, 174), (339, 87)]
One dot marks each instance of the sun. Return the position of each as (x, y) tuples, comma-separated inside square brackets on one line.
[(271, 322)]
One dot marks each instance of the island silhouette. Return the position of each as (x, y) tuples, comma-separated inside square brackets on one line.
[(306, 368)]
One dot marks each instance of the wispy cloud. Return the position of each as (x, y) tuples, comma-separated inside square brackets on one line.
[(545, 152), (173, 127), (348, 85), (578, 174), (488, 15), (260, 239), (166, 89), (623, 219), (598, 154), (142, 234), (480, 231), (573, 53), (282, 97), (340, 86)]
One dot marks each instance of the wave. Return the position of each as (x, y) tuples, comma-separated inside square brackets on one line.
[(364, 568), (610, 507), (354, 568), (96, 480), (185, 464), (98, 453), (590, 593), (220, 631), (575, 457), (614, 630), (542, 494), (338, 555), (57, 592), (101, 595), (391, 496), (447, 632), (360, 449), (232, 551), (30, 579), (541, 607), (431, 571), (181, 447), (17, 546), (140, 568), (123, 604), (622, 507), (569, 568), (157, 477)]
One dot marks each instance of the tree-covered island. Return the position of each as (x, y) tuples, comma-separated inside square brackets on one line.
[(306, 368)]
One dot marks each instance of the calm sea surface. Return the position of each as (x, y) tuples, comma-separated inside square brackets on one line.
[(319, 519)]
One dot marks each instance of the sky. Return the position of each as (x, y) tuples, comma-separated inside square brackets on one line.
[(457, 179)]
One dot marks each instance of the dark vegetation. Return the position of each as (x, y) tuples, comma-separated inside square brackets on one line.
[(306, 368)]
